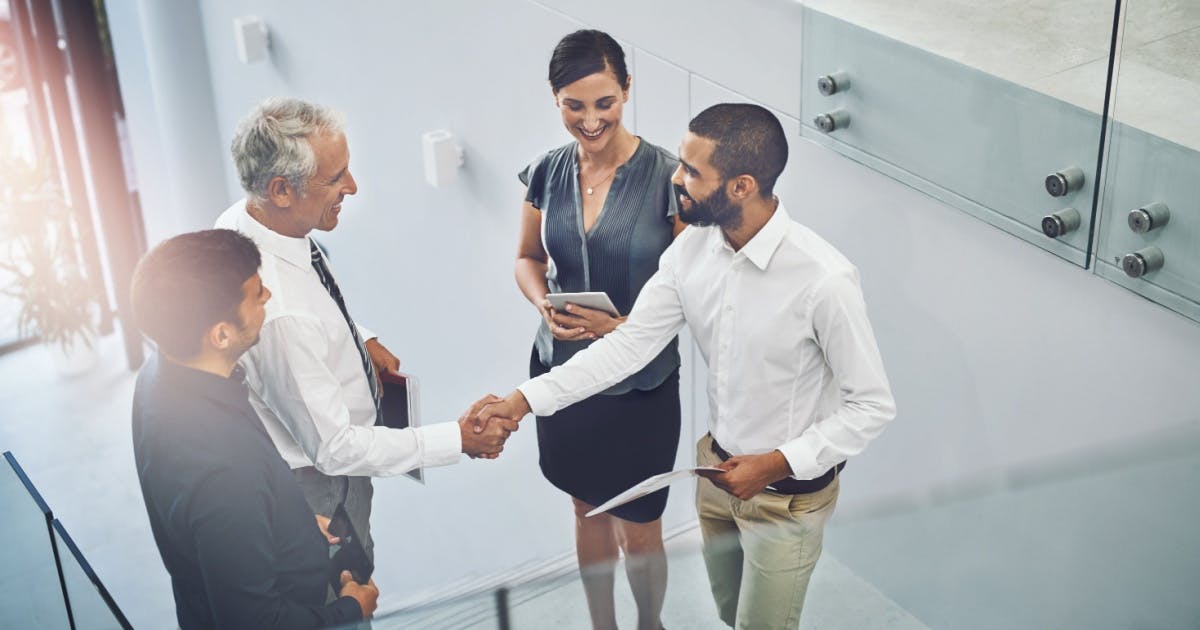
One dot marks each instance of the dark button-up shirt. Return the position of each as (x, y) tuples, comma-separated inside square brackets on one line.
[(241, 545)]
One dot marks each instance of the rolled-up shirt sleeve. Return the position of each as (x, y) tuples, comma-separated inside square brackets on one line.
[(843, 332), (654, 320), (299, 388)]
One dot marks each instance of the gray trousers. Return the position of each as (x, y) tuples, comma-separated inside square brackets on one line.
[(324, 492)]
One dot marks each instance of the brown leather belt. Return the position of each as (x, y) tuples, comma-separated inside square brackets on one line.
[(787, 485)]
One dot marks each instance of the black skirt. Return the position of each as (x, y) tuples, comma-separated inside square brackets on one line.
[(603, 445)]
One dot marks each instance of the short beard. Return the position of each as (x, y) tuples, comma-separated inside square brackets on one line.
[(242, 329), (718, 209)]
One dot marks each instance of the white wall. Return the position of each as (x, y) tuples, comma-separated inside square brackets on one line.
[(1002, 357), (162, 68)]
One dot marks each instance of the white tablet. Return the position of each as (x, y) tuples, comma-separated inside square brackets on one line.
[(596, 299)]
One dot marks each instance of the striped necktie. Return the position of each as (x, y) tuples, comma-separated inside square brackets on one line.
[(318, 263)]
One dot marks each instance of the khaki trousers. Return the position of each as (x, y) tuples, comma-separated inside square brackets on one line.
[(760, 553)]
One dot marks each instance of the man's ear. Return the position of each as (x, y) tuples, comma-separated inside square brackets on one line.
[(280, 192), (742, 187), (219, 337)]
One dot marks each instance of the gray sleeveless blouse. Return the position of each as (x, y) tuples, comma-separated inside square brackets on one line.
[(618, 255)]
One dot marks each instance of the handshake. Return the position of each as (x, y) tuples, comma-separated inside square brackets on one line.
[(485, 427)]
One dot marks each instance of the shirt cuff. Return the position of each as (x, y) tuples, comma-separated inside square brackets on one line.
[(441, 443), (365, 333), (347, 609), (539, 397), (801, 456)]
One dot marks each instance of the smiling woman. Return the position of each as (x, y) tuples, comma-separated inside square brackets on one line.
[(598, 213)]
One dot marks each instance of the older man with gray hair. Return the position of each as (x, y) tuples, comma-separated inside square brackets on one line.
[(313, 378)]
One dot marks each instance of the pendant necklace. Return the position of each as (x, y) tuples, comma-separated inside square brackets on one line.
[(592, 187)]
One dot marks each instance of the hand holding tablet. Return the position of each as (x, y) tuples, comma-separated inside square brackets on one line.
[(597, 300)]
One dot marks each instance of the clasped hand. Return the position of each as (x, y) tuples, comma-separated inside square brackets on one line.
[(485, 441), (578, 323)]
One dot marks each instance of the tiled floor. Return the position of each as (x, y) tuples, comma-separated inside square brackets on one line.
[(1060, 47)]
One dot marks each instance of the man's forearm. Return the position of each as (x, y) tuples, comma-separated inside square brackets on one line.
[(382, 452), (605, 363)]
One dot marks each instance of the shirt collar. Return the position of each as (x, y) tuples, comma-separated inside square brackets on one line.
[(762, 246), (206, 384), (296, 251)]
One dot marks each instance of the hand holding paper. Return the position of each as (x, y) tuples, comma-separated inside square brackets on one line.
[(744, 476), (651, 484)]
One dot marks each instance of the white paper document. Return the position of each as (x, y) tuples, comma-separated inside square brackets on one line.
[(657, 482)]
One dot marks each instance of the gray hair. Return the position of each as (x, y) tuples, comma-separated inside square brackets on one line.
[(273, 142)]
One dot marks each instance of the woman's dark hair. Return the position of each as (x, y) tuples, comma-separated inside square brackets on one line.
[(586, 52), (190, 283)]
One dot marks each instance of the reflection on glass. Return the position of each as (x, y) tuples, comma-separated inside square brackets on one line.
[(474, 609), (1097, 540), (975, 104), (1057, 47), (552, 596), (30, 593), (91, 606), (837, 598), (1150, 237), (1158, 85)]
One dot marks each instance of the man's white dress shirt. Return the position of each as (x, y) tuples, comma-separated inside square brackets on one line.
[(792, 361), (306, 375)]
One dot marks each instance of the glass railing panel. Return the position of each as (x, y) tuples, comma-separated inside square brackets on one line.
[(551, 595), (31, 594), (92, 607), (560, 600), (557, 597), (1149, 236), (474, 608), (1102, 541), (1058, 48), (917, 92), (1092, 543)]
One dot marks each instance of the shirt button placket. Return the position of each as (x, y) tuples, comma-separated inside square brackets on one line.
[(724, 332)]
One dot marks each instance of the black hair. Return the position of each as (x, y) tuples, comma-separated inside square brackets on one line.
[(750, 141), (586, 52), (190, 283)]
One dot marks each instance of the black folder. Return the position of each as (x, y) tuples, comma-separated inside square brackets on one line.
[(401, 406)]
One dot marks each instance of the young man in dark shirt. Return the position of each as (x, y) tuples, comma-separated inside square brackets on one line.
[(234, 531)]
